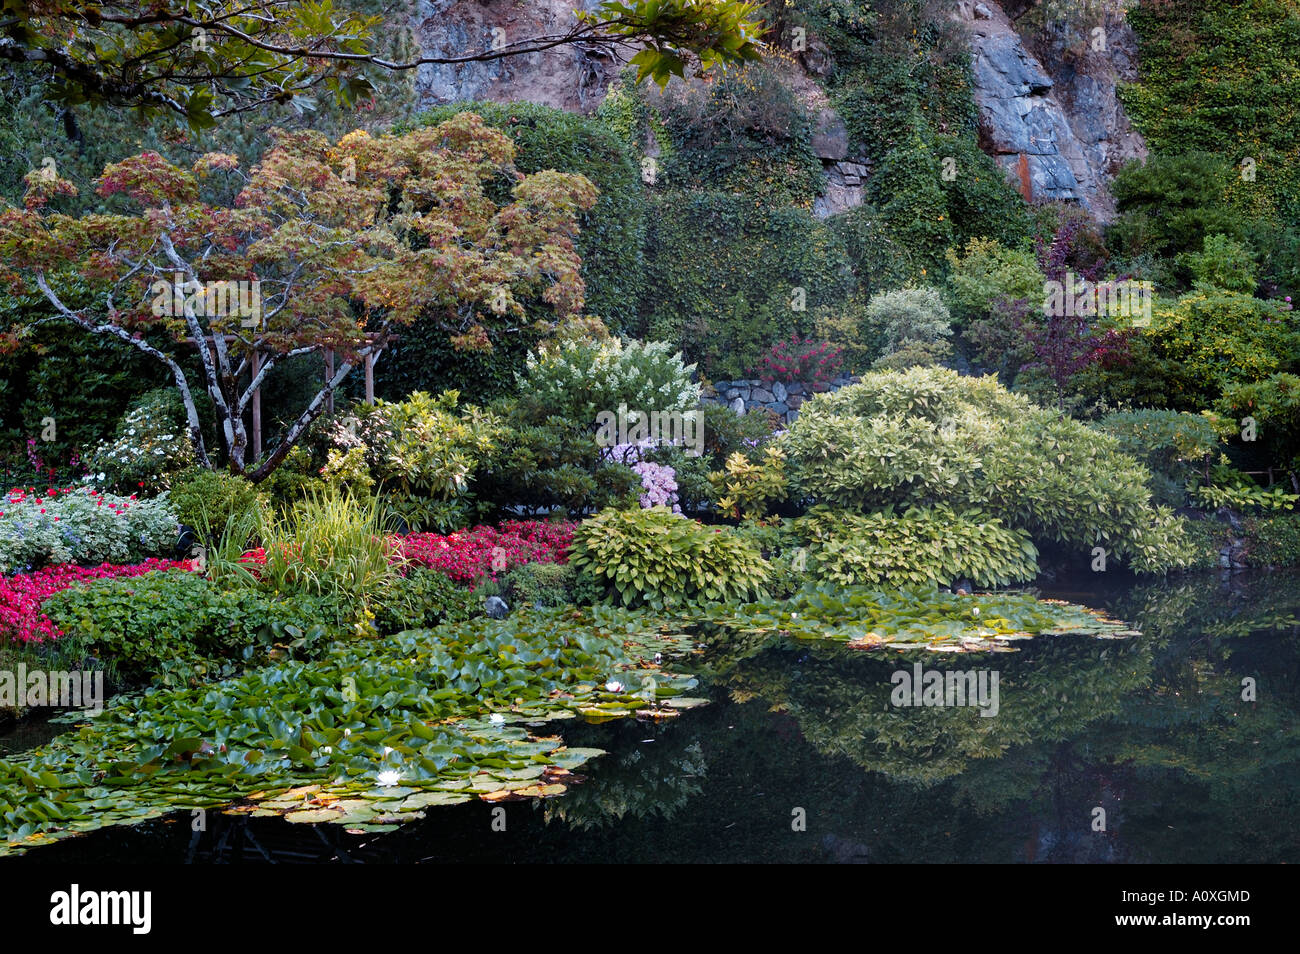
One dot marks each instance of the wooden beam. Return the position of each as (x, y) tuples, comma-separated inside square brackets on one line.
[(257, 409)]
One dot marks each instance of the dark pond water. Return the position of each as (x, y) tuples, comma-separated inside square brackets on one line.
[(1153, 731)]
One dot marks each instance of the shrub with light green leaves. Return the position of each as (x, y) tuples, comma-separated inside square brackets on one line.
[(931, 436), (1211, 340), (921, 545), (420, 454), (1171, 443), (913, 325), (657, 558), (577, 380), (985, 272)]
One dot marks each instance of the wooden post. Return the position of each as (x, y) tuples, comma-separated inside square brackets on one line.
[(257, 409), (329, 376), (370, 377)]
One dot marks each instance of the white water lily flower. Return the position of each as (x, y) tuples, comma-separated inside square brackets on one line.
[(613, 686), (387, 750), (389, 777), (497, 718), (975, 610)]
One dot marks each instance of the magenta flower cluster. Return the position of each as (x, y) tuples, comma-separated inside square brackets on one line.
[(658, 481), (658, 485)]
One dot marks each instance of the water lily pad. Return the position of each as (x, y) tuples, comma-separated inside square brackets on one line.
[(312, 816), (432, 799), (685, 702)]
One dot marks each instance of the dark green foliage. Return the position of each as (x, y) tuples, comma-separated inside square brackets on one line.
[(1275, 540), (747, 134), (1174, 446), (539, 584), (1274, 403), (724, 272), (424, 359), (554, 463), (979, 200), (907, 187), (85, 383), (206, 499), (181, 626), (783, 549), (1169, 204), (423, 598), (880, 261), (1223, 78)]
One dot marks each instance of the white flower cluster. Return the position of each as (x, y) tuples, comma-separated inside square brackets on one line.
[(145, 453), (577, 377)]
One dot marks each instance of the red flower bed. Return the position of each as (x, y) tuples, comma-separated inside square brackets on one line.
[(21, 595), (471, 555)]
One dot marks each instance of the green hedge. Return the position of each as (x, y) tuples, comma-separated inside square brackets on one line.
[(723, 272)]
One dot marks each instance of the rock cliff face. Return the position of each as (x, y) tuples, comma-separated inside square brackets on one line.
[(569, 77), (1054, 123), (1048, 108)]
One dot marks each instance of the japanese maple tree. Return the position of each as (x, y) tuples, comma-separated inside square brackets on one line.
[(346, 242)]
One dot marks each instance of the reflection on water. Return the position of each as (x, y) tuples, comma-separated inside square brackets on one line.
[(1153, 730)]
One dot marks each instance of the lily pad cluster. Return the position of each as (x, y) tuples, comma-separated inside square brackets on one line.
[(868, 618), (368, 736)]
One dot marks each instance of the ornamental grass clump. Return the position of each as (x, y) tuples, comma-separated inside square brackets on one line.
[(330, 545)]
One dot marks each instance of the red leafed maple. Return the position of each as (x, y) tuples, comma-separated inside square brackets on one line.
[(325, 246)]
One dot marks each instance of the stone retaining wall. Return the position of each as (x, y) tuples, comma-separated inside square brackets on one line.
[(784, 399)]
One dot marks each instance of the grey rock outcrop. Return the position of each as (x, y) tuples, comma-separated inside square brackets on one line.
[(1060, 134), (569, 76)]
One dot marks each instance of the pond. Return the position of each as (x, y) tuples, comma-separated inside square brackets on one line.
[(801, 757)]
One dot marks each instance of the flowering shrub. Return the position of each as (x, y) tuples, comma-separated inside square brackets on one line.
[(801, 359), (150, 446), (472, 555), (80, 525), (21, 619), (658, 481), (577, 380)]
